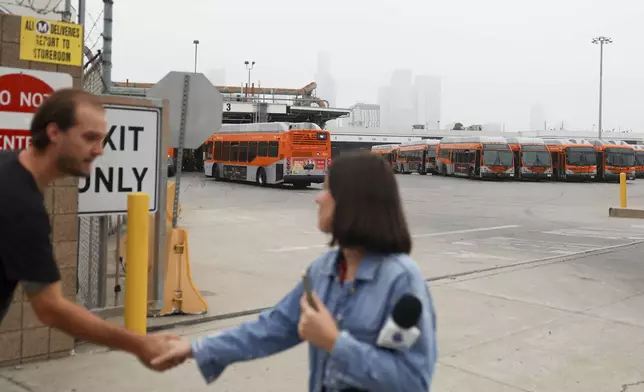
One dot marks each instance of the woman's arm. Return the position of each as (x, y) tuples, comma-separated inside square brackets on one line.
[(273, 332), (391, 370)]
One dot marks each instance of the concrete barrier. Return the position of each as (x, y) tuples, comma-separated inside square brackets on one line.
[(615, 212)]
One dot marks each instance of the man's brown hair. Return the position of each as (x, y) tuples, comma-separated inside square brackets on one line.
[(60, 108)]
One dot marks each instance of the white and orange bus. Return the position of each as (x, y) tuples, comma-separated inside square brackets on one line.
[(572, 159), (639, 160), (475, 157), (613, 158), (531, 158), (269, 153), (418, 156), (388, 152)]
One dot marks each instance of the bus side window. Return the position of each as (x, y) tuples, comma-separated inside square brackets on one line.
[(234, 151), (243, 151), (273, 149), (225, 152), (217, 152), (263, 149), (252, 151)]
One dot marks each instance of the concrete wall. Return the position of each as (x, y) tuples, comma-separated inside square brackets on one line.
[(22, 337)]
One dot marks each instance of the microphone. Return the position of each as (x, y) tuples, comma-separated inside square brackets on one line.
[(400, 330)]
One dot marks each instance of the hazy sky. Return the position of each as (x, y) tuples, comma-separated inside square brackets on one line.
[(496, 57)]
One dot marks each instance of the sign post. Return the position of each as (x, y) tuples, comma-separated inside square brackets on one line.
[(22, 91), (193, 103)]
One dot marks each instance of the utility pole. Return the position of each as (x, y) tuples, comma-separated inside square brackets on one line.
[(249, 67), (601, 41), (107, 46), (196, 42)]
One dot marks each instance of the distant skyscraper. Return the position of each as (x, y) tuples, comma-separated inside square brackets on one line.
[(537, 118), (401, 97), (364, 115), (427, 91), (384, 101), (326, 84)]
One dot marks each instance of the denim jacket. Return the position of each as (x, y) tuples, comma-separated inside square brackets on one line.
[(360, 308)]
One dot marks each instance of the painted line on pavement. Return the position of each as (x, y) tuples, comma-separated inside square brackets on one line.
[(442, 233), (464, 231)]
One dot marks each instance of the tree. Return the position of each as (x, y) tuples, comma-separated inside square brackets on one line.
[(458, 126)]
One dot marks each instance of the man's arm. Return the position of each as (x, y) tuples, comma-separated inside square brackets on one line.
[(27, 257), (58, 312)]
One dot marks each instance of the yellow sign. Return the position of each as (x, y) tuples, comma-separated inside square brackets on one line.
[(48, 41)]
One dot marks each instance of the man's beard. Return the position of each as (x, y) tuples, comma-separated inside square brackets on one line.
[(70, 166)]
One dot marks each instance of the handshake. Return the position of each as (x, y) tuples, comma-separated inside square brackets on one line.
[(161, 352)]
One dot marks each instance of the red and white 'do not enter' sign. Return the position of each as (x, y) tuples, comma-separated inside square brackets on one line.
[(22, 91)]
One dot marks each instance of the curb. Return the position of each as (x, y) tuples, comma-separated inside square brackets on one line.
[(616, 212)]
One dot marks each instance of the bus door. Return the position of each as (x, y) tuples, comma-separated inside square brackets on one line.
[(518, 162), (477, 162), (422, 169), (600, 163)]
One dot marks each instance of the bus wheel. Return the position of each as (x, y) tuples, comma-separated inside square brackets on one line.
[(261, 177), (215, 173), (471, 172)]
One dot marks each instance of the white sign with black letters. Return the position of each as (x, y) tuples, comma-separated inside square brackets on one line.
[(129, 163)]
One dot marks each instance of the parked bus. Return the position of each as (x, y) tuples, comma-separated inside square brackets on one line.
[(475, 157), (572, 159), (531, 158), (639, 160), (418, 156), (269, 153), (388, 151), (613, 158)]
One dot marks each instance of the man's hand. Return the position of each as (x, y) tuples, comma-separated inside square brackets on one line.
[(156, 345), (178, 351), (317, 327)]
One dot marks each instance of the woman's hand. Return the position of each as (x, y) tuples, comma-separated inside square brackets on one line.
[(317, 327), (175, 354)]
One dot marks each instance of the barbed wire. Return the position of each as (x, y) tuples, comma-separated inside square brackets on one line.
[(40, 10)]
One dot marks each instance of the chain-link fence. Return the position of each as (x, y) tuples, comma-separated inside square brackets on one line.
[(100, 268)]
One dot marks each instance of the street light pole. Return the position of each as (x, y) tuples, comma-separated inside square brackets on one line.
[(601, 40), (249, 66), (196, 42)]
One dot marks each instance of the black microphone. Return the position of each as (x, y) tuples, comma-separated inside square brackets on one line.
[(400, 330)]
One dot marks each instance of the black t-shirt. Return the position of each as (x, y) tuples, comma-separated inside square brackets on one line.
[(26, 253)]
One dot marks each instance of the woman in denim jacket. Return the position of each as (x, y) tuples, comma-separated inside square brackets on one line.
[(355, 289)]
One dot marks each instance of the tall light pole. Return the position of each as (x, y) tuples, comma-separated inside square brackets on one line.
[(196, 42), (249, 66), (601, 40)]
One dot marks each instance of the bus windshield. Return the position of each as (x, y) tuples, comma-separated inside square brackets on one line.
[(497, 156), (639, 155), (620, 157), (536, 158), (581, 156)]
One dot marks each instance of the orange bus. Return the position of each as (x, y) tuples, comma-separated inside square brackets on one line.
[(639, 160), (572, 159), (269, 153), (613, 158), (388, 151), (418, 156), (531, 158), (475, 157)]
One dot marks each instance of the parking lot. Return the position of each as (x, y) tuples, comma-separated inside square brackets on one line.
[(535, 288)]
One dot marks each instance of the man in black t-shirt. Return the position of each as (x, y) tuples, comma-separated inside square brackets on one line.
[(68, 133)]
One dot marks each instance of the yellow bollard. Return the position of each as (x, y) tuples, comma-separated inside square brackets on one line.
[(136, 267), (622, 190)]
